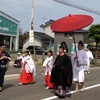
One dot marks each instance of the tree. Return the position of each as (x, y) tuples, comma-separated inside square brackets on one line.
[(94, 33), (22, 38)]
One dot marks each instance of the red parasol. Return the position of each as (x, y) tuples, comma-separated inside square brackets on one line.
[(71, 23)]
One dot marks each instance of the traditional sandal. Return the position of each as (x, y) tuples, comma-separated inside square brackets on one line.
[(82, 90)]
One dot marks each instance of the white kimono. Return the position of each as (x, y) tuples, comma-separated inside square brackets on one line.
[(78, 72), (48, 65), (30, 66), (90, 57)]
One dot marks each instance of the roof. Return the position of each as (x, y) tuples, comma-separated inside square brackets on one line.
[(50, 21), (40, 35), (43, 35), (47, 23), (1, 12)]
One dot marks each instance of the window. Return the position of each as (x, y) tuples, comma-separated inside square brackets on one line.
[(68, 35), (38, 48)]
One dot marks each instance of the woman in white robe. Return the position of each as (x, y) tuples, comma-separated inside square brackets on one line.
[(48, 65), (28, 70), (79, 60)]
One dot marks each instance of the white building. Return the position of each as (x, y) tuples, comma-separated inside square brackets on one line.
[(9, 31), (47, 29), (40, 39)]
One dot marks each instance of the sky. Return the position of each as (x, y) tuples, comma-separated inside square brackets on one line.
[(44, 10)]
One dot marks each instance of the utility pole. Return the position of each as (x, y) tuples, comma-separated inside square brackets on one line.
[(31, 32)]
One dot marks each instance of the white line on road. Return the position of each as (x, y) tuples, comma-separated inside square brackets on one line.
[(12, 75), (71, 92)]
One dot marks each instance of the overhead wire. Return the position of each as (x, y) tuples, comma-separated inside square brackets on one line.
[(77, 6)]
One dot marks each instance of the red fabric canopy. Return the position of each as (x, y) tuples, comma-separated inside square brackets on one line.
[(71, 23)]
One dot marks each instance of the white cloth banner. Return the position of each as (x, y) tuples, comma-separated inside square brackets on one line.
[(31, 36)]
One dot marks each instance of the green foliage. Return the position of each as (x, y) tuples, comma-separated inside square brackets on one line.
[(22, 39), (94, 32)]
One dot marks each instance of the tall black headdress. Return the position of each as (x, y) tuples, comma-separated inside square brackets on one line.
[(64, 45), (81, 43)]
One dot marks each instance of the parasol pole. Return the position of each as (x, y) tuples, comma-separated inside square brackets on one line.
[(75, 46)]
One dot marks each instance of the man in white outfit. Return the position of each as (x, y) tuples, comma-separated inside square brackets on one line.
[(79, 60), (90, 57)]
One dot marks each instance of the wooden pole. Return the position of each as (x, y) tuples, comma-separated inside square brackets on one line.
[(75, 46), (32, 27)]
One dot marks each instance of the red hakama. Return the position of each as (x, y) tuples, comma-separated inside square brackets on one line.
[(26, 78), (47, 81)]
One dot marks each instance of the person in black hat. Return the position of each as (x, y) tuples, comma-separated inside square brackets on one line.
[(4, 58), (61, 74), (79, 59), (64, 45)]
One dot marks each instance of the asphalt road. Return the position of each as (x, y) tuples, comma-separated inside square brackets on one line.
[(36, 91)]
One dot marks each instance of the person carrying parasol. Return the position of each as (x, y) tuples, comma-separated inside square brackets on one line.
[(79, 59)]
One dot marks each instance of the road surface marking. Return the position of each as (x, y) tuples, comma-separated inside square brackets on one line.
[(71, 92), (12, 75)]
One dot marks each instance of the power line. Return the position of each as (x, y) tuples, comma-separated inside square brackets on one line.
[(77, 6)]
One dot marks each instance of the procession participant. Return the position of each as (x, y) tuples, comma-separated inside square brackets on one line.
[(79, 59), (90, 57), (48, 65), (4, 59), (65, 46), (28, 70), (61, 74), (17, 62), (6, 53)]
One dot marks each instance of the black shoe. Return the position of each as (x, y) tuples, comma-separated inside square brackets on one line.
[(61, 96), (56, 94)]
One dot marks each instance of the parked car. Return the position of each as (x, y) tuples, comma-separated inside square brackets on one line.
[(39, 50)]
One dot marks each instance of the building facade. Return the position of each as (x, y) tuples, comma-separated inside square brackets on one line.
[(67, 37), (46, 28), (9, 31), (40, 39)]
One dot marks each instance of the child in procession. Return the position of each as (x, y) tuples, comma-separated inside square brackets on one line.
[(48, 65)]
